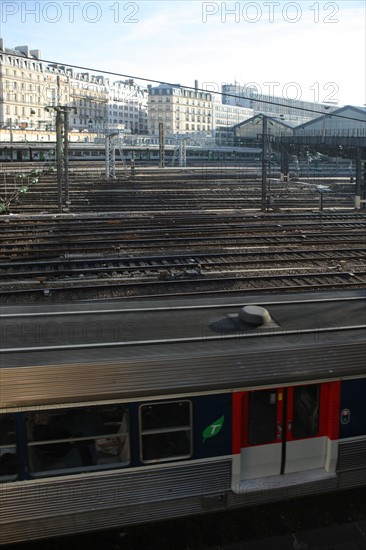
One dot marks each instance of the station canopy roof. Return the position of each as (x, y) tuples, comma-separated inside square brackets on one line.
[(347, 120), (252, 128)]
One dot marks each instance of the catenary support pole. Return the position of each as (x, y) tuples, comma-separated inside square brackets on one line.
[(66, 158), (264, 162), (59, 158)]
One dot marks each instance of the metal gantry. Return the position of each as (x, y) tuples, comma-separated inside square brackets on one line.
[(110, 156), (62, 155), (161, 145), (113, 142), (180, 150)]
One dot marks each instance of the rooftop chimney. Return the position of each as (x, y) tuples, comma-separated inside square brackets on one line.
[(2, 44), (36, 53), (23, 49)]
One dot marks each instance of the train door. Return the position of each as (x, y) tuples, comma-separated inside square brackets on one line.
[(261, 433), (283, 430), (305, 444)]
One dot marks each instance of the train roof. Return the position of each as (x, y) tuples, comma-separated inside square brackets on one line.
[(136, 348)]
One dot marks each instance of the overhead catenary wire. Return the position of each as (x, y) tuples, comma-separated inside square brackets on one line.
[(144, 79)]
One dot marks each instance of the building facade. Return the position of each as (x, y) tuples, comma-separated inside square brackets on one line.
[(183, 111), (30, 89), (224, 118), (194, 113), (26, 89), (293, 112), (127, 107)]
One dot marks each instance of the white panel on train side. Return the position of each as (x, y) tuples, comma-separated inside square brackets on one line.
[(305, 454), (260, 461)]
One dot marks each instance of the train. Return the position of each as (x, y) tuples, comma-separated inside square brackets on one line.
[(115, 413), (141, 154)]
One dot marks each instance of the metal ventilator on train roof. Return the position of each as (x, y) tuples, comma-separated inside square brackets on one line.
[(254, 315)]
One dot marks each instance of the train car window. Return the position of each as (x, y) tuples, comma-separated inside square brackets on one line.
[(82, 439), (166, 431), (306, 411), (262, 414), (8, 448)]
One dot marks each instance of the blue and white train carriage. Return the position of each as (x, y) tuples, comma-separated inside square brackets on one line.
[(117, 413)]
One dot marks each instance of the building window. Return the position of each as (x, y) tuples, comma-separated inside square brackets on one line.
[(165, 431)]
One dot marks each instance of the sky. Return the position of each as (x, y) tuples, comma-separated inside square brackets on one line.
[(309, 50)]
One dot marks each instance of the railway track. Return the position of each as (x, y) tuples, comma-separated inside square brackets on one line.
[(239, 284), (150, 267), (148, 254), (11, 226), (111, 202), (173, 190), (130, 234), (138, 245)]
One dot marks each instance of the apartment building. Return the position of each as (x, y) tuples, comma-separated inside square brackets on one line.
[(127, 106), (30, 89), (193, 112), (25, 89), (182, 110)]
